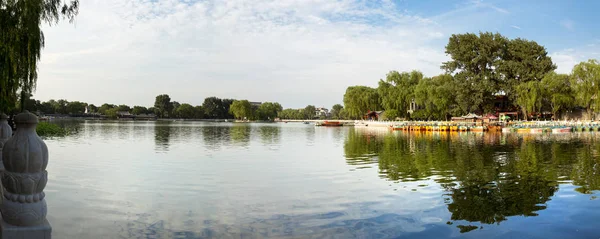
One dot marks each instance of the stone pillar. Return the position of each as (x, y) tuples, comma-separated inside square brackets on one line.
[(5, 133), (25, 157)]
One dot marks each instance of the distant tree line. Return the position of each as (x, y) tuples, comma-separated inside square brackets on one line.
[(164, 107), (482, 67)]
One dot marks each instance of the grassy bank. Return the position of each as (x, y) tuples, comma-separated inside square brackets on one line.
[(45, 129)]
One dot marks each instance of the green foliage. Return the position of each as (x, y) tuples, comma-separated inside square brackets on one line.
[(529, 97), (241, 109), (336, 111), (198, 112), (397, 91), (558, 93), (586, 84), (163, 105), (523, 61), (215, 108), (21, 43), (75, 107), (123, 108), (93, 108), (309, 112), (45, 129), (105, 107), (358, 100), (436, 97), (112, 113), (473, 61), (391, 114), (489, 63), (185, 111), (296, 114), (138, 110), (268, 110)]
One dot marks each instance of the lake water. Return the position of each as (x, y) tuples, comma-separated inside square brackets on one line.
[(224, 180)]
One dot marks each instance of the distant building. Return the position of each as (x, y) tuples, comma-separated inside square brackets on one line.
[(124, 115), (413, 107), (145, 117), (373, 115), (321, 112), (255, 104)]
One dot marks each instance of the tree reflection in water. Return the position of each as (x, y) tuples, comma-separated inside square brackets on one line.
[(488, 177), (162, 136)]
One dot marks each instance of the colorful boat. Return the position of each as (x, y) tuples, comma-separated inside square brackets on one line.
[(329, 123), (397, 127), (523, 130), (479, 129), (562, 130), (536, 130)]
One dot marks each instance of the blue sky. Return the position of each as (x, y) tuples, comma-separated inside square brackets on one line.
[(296, 52)]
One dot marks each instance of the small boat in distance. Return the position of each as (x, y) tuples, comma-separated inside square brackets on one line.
[(329, 123), (305, 122)]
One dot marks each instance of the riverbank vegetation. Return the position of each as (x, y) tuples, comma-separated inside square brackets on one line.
[(45, 129), (483, 68)]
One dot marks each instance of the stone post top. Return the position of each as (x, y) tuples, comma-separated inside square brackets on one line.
[(26, 118), (3, 116)]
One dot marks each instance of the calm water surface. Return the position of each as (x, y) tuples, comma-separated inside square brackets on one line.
[(223, 180)]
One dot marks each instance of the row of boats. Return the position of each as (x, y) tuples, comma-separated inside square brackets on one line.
[(441, 128), (521, 127)]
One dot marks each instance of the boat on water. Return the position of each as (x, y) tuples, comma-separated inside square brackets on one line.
[(536, 130), (305, 122), (479, 128), (523, 130), (329, 123), (562, 130)]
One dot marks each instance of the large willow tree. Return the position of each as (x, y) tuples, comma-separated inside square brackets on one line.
[(586, 85), (21, 42)]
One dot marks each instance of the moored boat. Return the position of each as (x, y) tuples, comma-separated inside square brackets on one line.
[(329, 123), (562, 130), (479, 129), (523, 130), (536, 130)]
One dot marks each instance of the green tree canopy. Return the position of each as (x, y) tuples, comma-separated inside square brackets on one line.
[(397, 91), (358, 100), (336, 111), (138, 110), (309, 112), (185, 111), (163, 105), (529, 97), (586, 85), (268, 110), (214, 108), (558, 92), (241, 109), (436, 96), (75, 107), (21, 43), (123, 108), (105, 107)]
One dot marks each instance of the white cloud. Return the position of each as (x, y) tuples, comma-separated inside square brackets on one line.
[(516, 27), (568, 24), (567, 58), (296, 52)]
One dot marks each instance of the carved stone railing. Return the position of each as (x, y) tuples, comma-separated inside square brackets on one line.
[(5, 134), (25, 157)]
